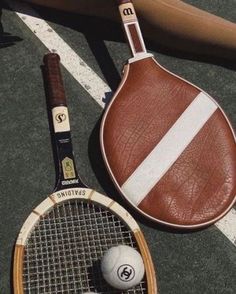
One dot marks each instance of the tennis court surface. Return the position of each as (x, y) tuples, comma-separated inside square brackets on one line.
[(93, 52)]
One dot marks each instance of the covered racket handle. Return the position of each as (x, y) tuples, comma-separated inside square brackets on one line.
[(131, 28), (55, 87), (123, 1)]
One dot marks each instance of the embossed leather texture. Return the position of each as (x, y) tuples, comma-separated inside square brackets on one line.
[(169, 148)]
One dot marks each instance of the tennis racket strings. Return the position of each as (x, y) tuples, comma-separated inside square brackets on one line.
[(63, 251)]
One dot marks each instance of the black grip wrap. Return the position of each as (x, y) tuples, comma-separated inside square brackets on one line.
[(55, 87)]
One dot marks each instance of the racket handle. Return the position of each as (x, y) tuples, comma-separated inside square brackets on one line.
[(123, 1), (56, 92), (131, 27)]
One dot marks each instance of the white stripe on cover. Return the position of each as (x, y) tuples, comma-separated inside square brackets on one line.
[(167, 151)]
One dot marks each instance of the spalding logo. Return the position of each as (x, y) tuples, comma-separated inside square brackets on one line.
[(126, 272), (60, 117)]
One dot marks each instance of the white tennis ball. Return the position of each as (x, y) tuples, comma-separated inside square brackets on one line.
[(122, 267)]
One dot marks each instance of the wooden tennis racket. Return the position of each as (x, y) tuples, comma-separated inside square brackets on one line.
[(60, 245), (168, 146)]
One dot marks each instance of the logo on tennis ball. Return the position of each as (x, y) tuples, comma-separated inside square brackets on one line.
[(126, 273), (60, 117)]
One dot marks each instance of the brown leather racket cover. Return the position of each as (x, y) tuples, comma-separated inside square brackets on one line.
[(169, 147)]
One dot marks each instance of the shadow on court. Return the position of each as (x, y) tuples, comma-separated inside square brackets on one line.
[(6, 39), (96, 30)]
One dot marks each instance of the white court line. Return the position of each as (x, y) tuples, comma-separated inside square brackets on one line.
[(94, 85), (87, 78), (227, 225)]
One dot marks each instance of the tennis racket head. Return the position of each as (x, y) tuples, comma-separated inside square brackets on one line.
[(61, 243), (169, 148)]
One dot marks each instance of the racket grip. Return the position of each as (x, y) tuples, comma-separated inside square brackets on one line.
[(123, 1), (131, 28), (55, 87)]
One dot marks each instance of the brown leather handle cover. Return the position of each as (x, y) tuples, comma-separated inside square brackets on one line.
[(123, 1), (55, 87)]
